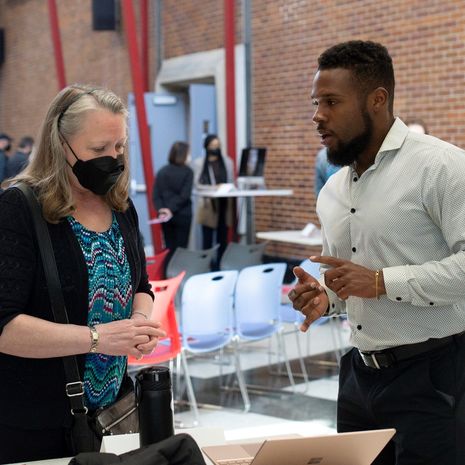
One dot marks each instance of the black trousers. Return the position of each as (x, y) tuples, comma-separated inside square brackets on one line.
[(221, 233), (20, 445), (176, 234), (423, 398)]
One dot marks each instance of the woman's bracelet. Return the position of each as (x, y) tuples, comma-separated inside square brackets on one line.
[(140, 313), (94, 338)]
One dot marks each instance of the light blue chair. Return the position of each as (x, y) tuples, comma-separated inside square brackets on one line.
[(192, 262), (207, 317), (257, 306)]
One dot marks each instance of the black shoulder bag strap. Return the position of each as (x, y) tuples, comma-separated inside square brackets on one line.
[(74, 386)]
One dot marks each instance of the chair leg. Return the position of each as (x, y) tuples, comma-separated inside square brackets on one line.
[(240, 376), (303, 368), (178, 375), (190, 389), (282, 350)]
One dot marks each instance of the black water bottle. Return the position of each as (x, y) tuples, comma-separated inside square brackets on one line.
[(155, 404)]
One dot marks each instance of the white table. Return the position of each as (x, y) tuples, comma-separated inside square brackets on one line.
[(291, 236), (249, 195)]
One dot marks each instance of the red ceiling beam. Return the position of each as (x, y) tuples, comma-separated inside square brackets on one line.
[(56, 39), (144, 135), (144, 19)]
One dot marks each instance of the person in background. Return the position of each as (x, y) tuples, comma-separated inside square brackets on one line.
[(323, 170), (80, 176), (393, 227), (5, 146), (18, 161), (417, 125), (172, 192), (215, 215)]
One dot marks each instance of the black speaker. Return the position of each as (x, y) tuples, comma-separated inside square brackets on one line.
[(105, 15), (2, 46)]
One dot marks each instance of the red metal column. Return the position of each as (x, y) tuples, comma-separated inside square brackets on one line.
[(144, 20), (229, 30), (56, 39), (229, 41), (144, 136)]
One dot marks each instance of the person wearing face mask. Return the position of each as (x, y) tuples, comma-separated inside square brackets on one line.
[(172, 192), (5, 146), (214, 215), (80, 176)]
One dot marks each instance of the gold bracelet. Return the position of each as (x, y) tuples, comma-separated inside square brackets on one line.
[(94, 337), (140, 313), (376, 284)]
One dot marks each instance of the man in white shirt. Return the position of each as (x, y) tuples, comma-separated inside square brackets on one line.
[(393, 226)]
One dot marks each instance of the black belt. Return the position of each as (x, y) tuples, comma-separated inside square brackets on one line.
[(388, 357)]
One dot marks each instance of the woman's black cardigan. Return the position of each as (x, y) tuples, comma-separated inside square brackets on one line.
[(32, 391)]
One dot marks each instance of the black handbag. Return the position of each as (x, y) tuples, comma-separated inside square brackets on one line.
[(180, 449), (119, 418)]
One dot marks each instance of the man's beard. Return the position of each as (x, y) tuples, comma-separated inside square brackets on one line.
[(346, 153)]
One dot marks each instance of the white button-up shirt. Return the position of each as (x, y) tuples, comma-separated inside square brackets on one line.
[(405, 215)]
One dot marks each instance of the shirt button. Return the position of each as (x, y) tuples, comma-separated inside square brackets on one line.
[(352, 210), (431, 303), (399, 298), (359, 327), (354, 249), (355, 179), (333, 305)]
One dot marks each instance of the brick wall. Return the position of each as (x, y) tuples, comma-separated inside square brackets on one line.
[(426, 41), (28, 78), (425, 38), (191, 26)]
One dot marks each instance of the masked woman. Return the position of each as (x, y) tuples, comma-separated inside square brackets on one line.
[(80, 177), (215, 215)]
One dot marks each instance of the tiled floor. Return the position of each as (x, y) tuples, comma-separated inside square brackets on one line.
[(309, 410)]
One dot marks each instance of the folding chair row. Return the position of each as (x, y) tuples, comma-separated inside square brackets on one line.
[(227, 307)]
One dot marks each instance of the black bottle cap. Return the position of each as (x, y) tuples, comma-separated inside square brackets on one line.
[(154, 378)]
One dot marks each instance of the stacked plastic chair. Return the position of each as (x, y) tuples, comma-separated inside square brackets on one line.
[(155, 265), (207, 316), (169, 348), (257, 307), (238, 256), (192, 262)]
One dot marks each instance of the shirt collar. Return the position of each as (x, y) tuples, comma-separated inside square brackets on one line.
[(391, 143), (395, 137)]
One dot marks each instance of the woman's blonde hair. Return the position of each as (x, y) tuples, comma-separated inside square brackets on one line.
[(47, 171)]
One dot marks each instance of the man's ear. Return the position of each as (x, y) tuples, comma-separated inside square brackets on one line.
[(378, 99)]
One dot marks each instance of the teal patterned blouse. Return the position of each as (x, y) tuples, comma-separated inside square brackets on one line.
[(110, 299)]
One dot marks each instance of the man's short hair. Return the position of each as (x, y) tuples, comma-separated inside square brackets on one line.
[(26, 141), (369, 62)]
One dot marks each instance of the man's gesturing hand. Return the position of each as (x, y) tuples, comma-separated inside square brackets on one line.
[(349, 279), (308, 297)]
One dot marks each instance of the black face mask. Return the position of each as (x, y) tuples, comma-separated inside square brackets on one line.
[(100, 174), (214, 152)]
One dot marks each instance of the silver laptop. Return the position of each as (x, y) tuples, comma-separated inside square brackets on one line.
[(356, 448)]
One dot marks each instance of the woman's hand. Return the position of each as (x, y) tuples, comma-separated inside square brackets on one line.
[(135, 337), (165, 214)]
